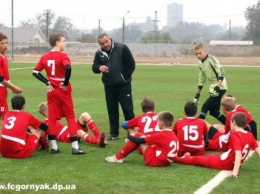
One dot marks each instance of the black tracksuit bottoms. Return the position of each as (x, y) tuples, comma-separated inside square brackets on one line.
[(116, 95)]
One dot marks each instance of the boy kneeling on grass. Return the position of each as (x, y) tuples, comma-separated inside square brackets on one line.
[(240, 143)]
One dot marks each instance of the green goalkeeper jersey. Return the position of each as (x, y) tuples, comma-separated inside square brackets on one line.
[(211, 70)]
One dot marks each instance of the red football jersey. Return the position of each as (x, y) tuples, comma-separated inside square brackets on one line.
[(190, 132), (4, 68), (14, 128), (58, 127), (165, 143), (54, 63), (239, 140), (239, 108), (3, 91), (249, 117), (61, 131), (147, 123)]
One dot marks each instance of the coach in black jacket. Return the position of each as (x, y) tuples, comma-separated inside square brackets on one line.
[(117, 64)]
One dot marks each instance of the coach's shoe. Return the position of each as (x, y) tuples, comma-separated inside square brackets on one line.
[(112, 138), (77, 151), (53, 151), (113, 159), (101, 140)]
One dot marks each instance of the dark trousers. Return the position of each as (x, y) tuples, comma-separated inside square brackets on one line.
[(213, 104), (116, 95)]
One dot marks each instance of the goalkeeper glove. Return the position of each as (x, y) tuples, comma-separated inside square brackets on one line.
[(196, 98), (215, 92)]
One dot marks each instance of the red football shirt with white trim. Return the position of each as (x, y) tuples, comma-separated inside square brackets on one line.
[(146, 122), (4, 68), (14, 128), (239, 108), (165, 144), (240, 140), (54, 63), (190, 132)]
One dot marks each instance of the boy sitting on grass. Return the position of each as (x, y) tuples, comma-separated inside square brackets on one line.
[(241, 142)]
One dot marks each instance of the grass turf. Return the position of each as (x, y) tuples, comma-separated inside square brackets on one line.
[(170, 87)]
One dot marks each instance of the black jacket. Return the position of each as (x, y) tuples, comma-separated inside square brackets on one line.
[(120, 63)]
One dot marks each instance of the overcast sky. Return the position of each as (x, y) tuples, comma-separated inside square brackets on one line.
[(85, 14)]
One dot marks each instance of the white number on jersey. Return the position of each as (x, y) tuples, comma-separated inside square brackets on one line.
[(148, 120), (245, 151), (190, 132), (175, 146), (51, 63), (10, 124)]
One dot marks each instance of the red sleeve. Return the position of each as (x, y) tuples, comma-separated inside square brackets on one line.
[(1, 67), (154, 138), (254, 144), (39, 66), (33, 122), (175, 128), (66, 60), (227, 124), (133, 123)]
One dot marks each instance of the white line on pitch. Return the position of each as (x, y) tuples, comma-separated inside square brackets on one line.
[(14, 69), (209, 186)]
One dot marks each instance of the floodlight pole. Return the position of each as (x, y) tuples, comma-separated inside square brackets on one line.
[(99, 28), (123, 28), (12, 38)]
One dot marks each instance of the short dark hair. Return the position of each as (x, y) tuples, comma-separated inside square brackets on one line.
[(240, 119), (167, 118), (54, 37), (2, 36), (190, 108), (102, 35), (147, 105), (18, 101)]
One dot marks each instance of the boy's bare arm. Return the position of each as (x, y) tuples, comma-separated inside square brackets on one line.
[(257, 150), (237, 164), (13, 87)]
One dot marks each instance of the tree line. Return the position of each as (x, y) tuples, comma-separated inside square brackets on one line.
[(182, 33)]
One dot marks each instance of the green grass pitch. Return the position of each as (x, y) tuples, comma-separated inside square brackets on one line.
[(170, 87)]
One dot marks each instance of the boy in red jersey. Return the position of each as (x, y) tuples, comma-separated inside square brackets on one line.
[(191, 131), (146, 123), (160, 148), (15, 141), (4, 77), (252, 126), (218, 141), (241, 142), (84, 123), (57, 65)]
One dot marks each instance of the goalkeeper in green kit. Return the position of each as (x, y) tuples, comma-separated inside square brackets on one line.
[(211, 70)]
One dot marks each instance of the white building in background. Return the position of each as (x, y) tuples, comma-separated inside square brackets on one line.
[(174, 14), (24, 34)]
